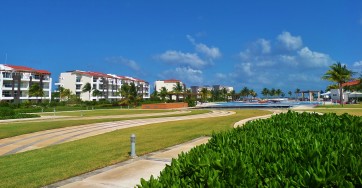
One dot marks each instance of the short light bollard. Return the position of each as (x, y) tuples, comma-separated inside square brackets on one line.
[(133, 146)]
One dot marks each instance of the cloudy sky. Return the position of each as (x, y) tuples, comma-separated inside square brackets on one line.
[(274, 44)]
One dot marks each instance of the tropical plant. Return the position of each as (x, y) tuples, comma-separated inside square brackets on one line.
[(244, 92), (96, 93), (297, 91), (265, 92), (163, 93), (36, 91), (87, 88), (290, 93), (204, 94), (339, 74), (278, 92), (272, 92), (233, 95), (177, 89), (252, 93)]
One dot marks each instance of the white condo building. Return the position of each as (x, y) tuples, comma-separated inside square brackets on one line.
[(107, 84), (15, 82), (169, 85)]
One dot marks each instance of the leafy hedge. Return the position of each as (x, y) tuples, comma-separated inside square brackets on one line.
[(291, 149), (9, 113)]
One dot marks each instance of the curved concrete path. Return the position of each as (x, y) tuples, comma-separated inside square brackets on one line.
[(57, 136), (61, 118)]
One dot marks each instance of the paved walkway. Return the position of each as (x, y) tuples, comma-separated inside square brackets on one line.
[(61, 118), (129, 173), (57, 136)]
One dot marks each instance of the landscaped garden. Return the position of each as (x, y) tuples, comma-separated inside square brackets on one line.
[(287, 150)]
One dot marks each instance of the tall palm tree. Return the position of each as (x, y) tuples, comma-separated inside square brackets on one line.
[(87, 88), (244, 92), (278, 92), (224, 92), (178, 90), (233, 95), (290, 94), (272, 92), (265, 92), (66, 94), (339, 74), (252, 93), (163, 93), (36, 91), (297, 91), (204, 94), (97, 93)]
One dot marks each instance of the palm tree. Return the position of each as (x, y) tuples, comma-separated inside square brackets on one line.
[(36, 91), (252, 93), (178, 90), (278, 92), (339, 74), (87, 88), (66, 93), (204, 94), (96, 93), (297, 91), (244, 92), (265, 92), (290, 94), (233, 95), (163, 93), (272, 92)]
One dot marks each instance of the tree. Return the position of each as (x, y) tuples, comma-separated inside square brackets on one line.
[(125, 90), (178, 90), (36, 91), (339, 74), (233, 95), (297, 91), (290, 93), (96, 93), (244, 92), (272, 92), (265, 92), (66, 93), (87, 88), (163, 93), (278, 92), (253, 93), (204, 93), (224, 92)]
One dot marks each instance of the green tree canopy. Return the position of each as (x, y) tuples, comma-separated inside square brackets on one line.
[(87, 88), (339, 74)]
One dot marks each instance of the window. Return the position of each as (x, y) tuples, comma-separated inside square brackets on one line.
[(94, 86), (6, 94), (95, 79), (77, 94), (7, 75), (78, 79), (78, 86)]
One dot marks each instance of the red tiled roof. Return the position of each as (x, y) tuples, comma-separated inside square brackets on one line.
[(351, 83), (171, 81), (27, 69)]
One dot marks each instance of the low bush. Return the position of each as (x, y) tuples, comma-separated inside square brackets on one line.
[(287, 150), (9, 113)]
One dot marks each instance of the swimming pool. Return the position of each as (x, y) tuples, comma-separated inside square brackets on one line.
[(282, 104)]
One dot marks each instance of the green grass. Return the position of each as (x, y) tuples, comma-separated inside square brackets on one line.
[(339, 106), (45, 166), (19, 128), (356, 112), (105, 112)]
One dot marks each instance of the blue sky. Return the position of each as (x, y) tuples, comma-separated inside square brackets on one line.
[(274, 44)]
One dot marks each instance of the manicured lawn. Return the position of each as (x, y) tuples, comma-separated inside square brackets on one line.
[(339, 106), (45, 166), (107, 112), (19, 128), (356, 112)]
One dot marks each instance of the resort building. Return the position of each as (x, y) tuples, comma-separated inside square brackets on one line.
[(16, 81), (169, 85), (197, 89), (108, 84)]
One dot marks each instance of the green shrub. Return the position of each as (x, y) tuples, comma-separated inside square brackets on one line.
[(287, 150), (6, 111)]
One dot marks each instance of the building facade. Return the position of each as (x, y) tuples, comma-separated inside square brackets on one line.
[(15, 82), (108, 84), (169, 85)]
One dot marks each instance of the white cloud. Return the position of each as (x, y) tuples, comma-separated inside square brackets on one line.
[(357, 64), (290, 42), (210, 52), (124, 61), (182, 59), (186, 74), (265, 64), (313, 59)]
